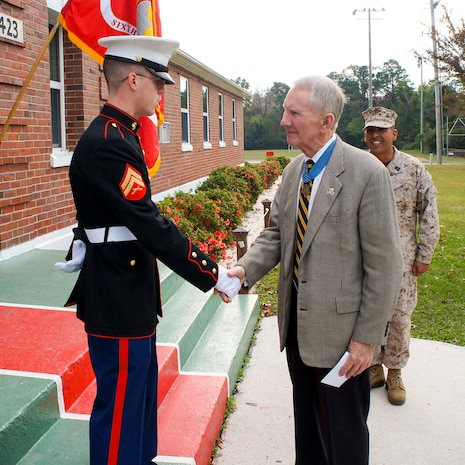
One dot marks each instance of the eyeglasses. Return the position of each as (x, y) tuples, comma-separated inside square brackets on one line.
[(160, 83)]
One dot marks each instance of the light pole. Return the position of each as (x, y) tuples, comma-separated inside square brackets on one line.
[(437, 87), (420, 64), (370, 74)]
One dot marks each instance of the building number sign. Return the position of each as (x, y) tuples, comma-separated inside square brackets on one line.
[(11, 28)]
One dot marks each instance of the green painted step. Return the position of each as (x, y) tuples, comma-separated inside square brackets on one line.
[(29, 408), (186, 315), (65, 443), (213, 337), (225, 342), (32, 279)]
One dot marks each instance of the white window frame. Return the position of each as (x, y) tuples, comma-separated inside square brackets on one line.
[(234, 123), (186, 145), (206, 118), (221, 119), (60, 156)]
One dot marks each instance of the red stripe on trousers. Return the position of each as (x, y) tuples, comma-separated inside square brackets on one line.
[(120, 397)]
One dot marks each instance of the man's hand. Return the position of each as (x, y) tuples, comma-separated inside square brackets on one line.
[(419, 268), (239, 272), (360, 358), (227, 286)]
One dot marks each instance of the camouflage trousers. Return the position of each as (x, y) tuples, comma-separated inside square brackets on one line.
[(396, 352)]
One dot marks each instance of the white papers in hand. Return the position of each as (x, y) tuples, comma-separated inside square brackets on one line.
[(333, 378)]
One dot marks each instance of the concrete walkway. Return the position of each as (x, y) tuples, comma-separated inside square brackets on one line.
[(429, 429)]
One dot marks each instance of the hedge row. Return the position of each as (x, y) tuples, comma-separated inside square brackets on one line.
[(209, 215)]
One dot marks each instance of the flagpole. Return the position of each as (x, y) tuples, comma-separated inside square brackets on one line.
[(28, 80)]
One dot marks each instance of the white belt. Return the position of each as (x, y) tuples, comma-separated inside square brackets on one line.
[(115, 234)]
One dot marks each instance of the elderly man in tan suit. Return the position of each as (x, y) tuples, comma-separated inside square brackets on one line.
[(334, 231)]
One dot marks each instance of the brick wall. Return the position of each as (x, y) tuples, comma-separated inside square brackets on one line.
[(35, 199)]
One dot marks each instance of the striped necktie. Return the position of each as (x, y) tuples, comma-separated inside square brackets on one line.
[(302, 219)]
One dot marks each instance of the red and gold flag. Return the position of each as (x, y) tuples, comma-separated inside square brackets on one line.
[(88, 20)]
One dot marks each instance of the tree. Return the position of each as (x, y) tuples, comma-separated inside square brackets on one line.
[(245, 85), (387, 80), (451, 49), (262, 119)]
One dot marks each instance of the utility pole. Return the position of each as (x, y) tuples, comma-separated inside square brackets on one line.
[(370, 72), (420, 64), (437, 87)]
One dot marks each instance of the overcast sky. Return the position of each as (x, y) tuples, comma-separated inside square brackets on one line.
[(266, 41)]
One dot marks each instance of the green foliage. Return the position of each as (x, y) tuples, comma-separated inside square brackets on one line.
[(199, 218), (283, 161), (262, 118), (440, 312), (268, 171), (242, 179), (210, 215), (391, 87)]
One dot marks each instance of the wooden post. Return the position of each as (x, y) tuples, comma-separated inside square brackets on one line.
[(266, 210), (241, 234)]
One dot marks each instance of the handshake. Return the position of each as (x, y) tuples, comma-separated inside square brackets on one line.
[(228, 285), (229, 282)]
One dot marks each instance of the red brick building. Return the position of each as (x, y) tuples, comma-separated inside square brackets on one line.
[(203, 123)]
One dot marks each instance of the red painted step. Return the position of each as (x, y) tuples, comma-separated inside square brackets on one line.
[(190, 417), (53, 341), (168, 370), (40, 340)]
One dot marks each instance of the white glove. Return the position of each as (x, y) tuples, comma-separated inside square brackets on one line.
[(226, 284), (77, 258)]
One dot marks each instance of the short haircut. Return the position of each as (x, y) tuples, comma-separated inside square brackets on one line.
[(325, 95), (116, 70)]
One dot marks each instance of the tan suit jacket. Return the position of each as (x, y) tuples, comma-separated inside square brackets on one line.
[(351, 262)]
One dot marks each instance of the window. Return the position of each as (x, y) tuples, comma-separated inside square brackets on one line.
[(206, 123), (164, 133), (220, 120), (234, 123), (185, 123), (60, 156)]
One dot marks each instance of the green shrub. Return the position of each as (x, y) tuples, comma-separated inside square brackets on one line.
[(283, 161), (268, 171), (198, 217), (210, 215), (239, 179), (232, 205)]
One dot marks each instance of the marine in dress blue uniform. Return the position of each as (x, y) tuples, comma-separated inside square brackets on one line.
[(118, 289)]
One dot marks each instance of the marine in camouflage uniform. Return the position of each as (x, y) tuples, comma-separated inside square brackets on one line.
[(418, 221)]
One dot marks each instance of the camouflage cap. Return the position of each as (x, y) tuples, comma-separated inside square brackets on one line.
[(379, 117)]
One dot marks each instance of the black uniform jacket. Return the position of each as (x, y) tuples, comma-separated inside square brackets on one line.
[(118, 289)]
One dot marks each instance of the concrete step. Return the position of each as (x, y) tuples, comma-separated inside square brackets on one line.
[(186, 315), (32, 279), (191, 416), (223, 344), (168, 371), (195, 405), (47, 341), (66, 442), (201, 343), (29, 408)]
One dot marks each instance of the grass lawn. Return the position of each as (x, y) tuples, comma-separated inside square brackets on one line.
[(440, 313)]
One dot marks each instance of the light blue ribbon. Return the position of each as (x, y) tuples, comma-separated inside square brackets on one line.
[(318, 167)]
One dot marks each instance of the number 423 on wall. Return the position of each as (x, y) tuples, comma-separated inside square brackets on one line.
[(11, 28)]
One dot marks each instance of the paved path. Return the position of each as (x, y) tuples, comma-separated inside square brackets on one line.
[(429, 429)]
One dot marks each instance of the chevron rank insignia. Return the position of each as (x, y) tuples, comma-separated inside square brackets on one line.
[(132, 185)]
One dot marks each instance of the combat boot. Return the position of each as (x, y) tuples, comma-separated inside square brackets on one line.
[(395, 387), (376, 376)]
